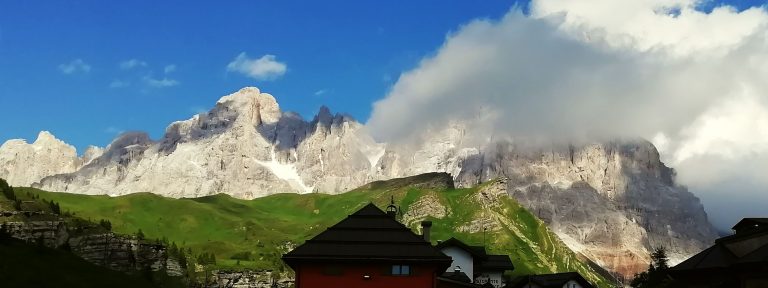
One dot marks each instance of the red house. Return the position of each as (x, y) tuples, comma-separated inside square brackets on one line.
[(368, 249)]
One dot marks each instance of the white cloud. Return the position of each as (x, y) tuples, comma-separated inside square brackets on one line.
[(321, 92), (113, 130), (169, 68), (161, 83), (119, 84), (693, 82), (265, 68), (132, 63), (75, 66)]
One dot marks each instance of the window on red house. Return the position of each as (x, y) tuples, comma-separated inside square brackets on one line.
[(401, 270)]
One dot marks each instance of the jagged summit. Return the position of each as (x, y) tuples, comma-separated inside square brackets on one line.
[(21, 164), (46, 137), (251, 105)]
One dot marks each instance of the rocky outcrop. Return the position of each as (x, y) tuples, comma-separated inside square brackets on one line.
[(123, 253), (431, 181), (117, 252), (250, 279), (427, 206)]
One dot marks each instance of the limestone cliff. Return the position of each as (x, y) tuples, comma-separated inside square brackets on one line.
[(22, 164), (117, 252), (613, 201)]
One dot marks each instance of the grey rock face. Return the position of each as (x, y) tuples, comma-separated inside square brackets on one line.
[(613, 202), (250, 279), (117, 252)]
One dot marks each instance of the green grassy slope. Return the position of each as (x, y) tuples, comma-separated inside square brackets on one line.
[(27, 265), (227, 226)]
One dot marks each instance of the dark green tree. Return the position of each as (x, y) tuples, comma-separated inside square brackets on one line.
[(182, 259), (7, 190), (5, 232), (656, 276), (105, 224), (140, 235), (55, 208)]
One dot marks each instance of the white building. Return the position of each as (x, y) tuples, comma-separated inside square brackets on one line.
[(479, 267), (559, 280)]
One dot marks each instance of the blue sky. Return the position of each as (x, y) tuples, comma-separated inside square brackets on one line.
[(64, 65), (59, 59)]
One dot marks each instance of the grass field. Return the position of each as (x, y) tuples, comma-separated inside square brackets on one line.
[(261, 227)]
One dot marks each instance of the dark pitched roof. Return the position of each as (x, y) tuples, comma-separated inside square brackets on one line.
[(760, 256), (716, 256), (366, 235), (750, 223), (551, 280), (457, 276), (729, 251), (497, 262)]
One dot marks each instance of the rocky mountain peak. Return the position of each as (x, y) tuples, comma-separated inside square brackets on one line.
[(45, 137), (250, 105), (323, 116), (21, 164), (91, 153)]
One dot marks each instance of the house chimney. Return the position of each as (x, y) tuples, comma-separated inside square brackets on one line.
[(425, 227), (392, 209)]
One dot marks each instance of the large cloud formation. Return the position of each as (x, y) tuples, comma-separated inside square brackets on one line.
[(694, 82)]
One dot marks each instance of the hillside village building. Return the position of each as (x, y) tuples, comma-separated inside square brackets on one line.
[(371, 249), (475, 263)]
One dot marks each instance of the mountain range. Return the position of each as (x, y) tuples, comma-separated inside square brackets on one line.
[(611, 201)]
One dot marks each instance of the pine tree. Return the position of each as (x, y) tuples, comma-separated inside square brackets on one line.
[(656, 276), (140, 235), (55, 208), (7, 190), (106, 224)]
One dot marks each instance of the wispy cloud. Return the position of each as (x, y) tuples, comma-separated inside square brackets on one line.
[(265, 68), (321, 92), (113, 130), (169, 68), (119, 84), (161, 83), (75, 66), (133, 63)]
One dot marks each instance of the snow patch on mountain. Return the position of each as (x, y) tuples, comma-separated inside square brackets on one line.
[(287, 172)]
